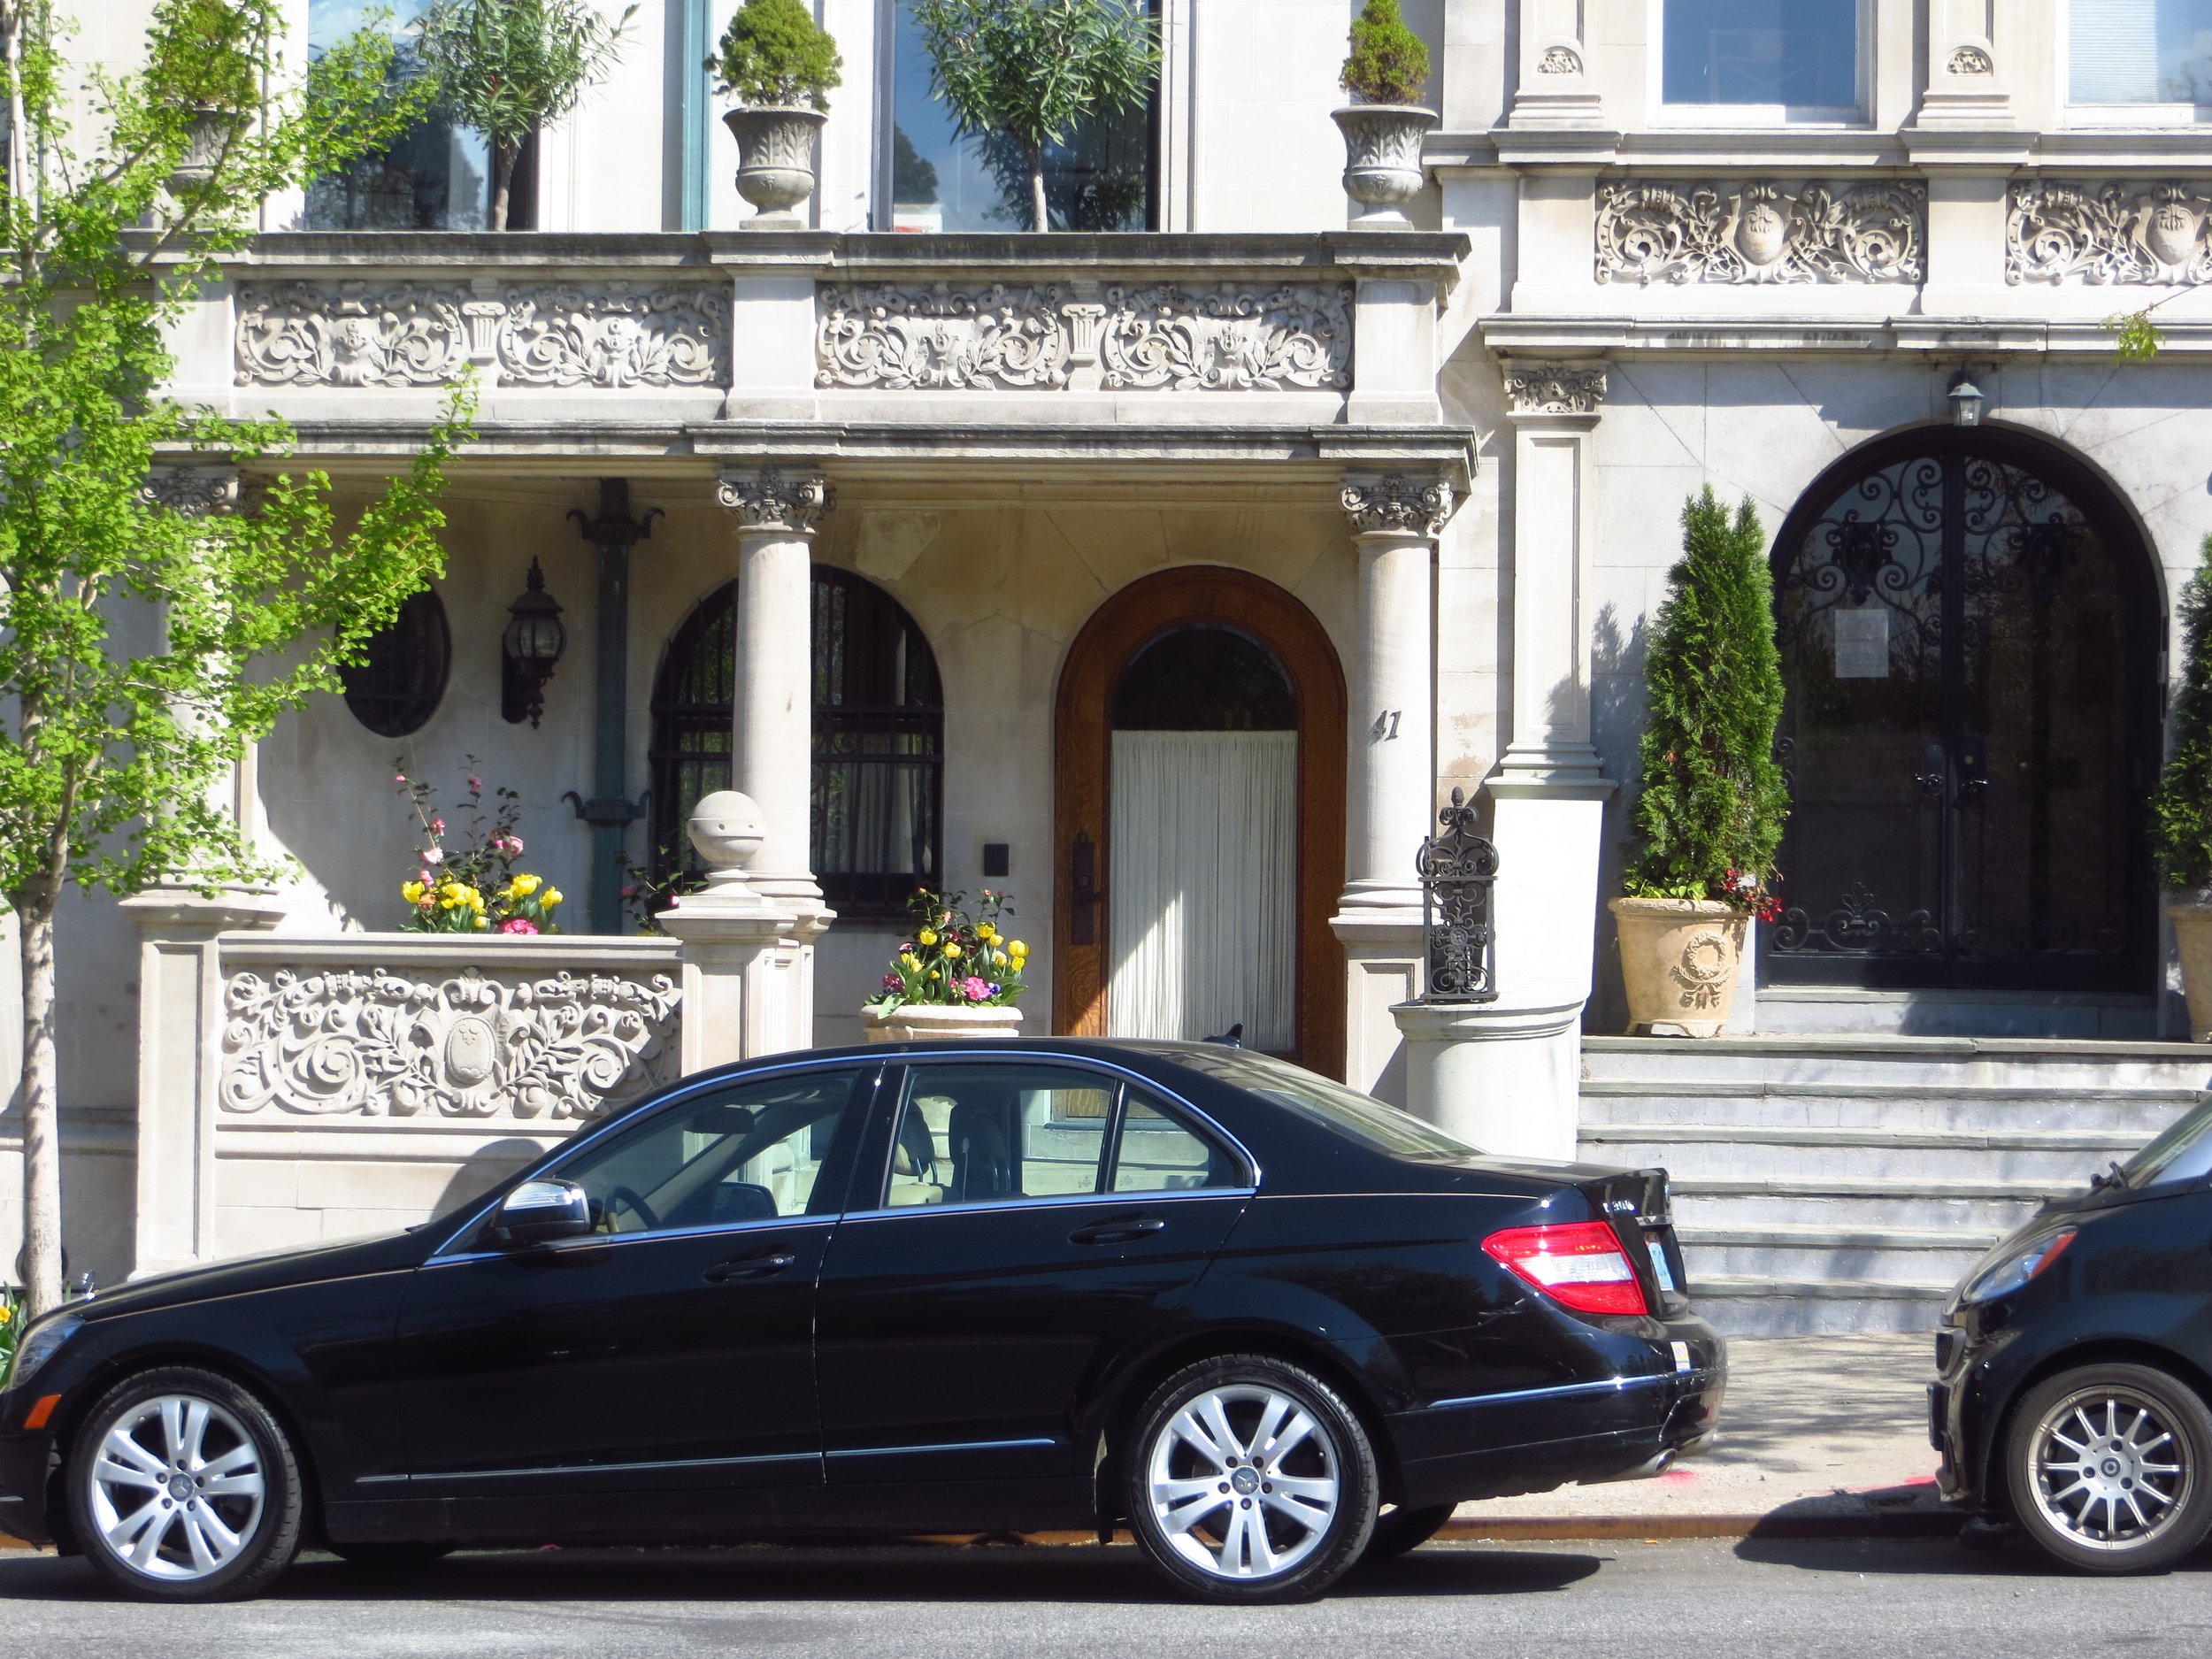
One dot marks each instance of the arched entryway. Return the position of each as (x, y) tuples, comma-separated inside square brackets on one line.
[(1968, 622), (1200, 740)]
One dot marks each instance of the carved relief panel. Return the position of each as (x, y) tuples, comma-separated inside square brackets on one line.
[(2115, 232), (1754, 231)]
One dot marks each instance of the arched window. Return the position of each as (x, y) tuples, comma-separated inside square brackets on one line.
[(398, 688), (879, 741)]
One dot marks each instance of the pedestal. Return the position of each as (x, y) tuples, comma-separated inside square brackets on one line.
[(1505, 1080)]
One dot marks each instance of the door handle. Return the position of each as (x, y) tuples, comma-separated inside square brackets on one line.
[(748, 1267), (1126, 1230)]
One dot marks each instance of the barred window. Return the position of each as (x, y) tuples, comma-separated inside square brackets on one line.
[(398, 688), (879, 741)]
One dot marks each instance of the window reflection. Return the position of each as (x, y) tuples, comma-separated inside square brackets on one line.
[(2139, 52), (437, 177), (1795, 53)]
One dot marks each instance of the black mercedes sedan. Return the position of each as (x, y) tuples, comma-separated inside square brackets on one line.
[(2075, 1366), (1269, 1324)]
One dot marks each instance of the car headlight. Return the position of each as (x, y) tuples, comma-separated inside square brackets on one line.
[(40, 1344), (2015, 1267)]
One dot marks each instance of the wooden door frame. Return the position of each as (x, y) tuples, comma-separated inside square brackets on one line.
[(1199, 596)]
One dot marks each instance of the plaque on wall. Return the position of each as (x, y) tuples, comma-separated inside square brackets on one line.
[(1862, 644)]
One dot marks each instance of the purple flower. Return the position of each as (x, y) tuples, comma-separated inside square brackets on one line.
[(892, 982)]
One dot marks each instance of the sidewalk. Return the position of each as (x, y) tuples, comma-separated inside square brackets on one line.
[(1819, 1436)]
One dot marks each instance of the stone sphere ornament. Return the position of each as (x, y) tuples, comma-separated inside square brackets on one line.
[(727, 829)]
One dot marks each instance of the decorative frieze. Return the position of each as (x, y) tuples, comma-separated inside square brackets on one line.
[(767, 500), (1554, 389), (2113, 234), (1054, 336), (191, 492), (607, 334), (343, 1040), (1397, 503), (1758, 232)]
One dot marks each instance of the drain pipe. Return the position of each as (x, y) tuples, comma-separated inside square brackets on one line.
[(611, 811)]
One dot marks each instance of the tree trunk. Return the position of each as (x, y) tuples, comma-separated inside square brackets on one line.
[(504, 156), (1037, 217), (40, 1098)]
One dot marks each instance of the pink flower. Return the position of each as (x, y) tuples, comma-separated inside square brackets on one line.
[(892, 982), (434, 856), (437, 827), (975, 990), (518, 924), (476, 784), (399, 777), (514, 845), (629, 893)]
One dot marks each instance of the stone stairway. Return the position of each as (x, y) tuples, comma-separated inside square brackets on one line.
[(1845, 1183)]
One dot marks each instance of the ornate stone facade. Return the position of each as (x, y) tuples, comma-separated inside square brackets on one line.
[(1051, 336), (1398, 504), (767, 500), (1554, 389), (344, 1041), (193, 492), (609, 334), (1664, 231), (2116, 233)]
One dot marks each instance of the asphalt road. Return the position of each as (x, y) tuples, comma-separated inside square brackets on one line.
[(1697, 1599)]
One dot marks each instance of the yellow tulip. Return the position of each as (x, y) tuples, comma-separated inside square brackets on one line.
[(523, 886), (1019, 948), (411, 892), (906, 959), (934, 974), (552, 897), (952, 953), (480, 922), (987, 933), (926, 937)]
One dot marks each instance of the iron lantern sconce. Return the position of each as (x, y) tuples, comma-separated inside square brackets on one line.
[(528, 650), (1966, 401)]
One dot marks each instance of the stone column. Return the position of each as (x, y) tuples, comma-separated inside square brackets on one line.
[(774, 761), (1396, 518), (738, 968)]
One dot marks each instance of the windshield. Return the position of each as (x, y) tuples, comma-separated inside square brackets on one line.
[(1370, 1122), (2183, 1152)]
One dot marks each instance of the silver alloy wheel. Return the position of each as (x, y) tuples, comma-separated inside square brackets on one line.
[(177, 1488), (2111, 1473), (1244, 1482)]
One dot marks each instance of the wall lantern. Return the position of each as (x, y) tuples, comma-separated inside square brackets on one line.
[(531, 646), (1966, 401)]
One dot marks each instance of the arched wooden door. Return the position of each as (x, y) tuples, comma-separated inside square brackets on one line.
[(1126, 627)]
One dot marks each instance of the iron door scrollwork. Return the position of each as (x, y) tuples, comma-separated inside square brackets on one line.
[(1457, 870)]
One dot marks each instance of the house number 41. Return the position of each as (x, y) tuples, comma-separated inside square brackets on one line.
[(1386, 727)]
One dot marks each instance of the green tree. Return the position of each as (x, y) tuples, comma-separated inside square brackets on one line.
[(1709, 814), (147, 638), (1389, 63), (774, 55), (510, 67), (1031, 69), (2181, 806)]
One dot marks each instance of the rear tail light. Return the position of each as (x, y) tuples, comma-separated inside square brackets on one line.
[(1581, 1265)]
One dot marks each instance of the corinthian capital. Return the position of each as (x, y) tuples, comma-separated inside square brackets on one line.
[(1416, 506), (193, 492), (767, 500), (1554, 389)]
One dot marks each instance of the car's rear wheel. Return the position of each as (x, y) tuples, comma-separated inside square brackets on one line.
[(1251, 1480), (182, 1487), (2110, 1467), (1402, 1530)]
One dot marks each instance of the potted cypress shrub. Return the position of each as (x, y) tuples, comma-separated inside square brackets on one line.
[(778, 64), (1383, 131), (1709, 812), (2181, 806)]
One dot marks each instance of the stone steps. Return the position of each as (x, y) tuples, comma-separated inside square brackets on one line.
[(1835, 1184)]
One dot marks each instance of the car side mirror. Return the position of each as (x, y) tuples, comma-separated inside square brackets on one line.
[(540, 1212)]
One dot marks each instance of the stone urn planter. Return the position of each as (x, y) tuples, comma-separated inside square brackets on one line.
[(775, 162), (2193, 941), (1679, 958), (1382, 160), (925, 1022), (212, 129)]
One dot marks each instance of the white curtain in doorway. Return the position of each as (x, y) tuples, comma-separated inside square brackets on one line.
[(1202, 893)]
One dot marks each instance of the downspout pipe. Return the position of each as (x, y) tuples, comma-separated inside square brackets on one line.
[(611, 811)]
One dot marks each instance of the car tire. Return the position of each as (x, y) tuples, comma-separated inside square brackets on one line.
[(183, 1487), (1402, 1530), (390, 1553), (1193, 1501), (2109, 1468)]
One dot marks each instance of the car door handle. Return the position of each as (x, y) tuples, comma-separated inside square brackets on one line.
[(748, 1267), (1126, 1230)]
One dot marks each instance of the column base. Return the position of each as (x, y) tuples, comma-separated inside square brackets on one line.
[(1385, 953), (1505, 1080)]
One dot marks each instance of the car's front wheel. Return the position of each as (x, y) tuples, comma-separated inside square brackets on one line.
[(1251, 1480), (2110, 1467), (182, 1487)]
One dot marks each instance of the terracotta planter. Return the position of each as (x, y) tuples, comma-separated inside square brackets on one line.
[(775, 163), (918, 1022), (1382, 160), (2193, 940), (1679, 958)]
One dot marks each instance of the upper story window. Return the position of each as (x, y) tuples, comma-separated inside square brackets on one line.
[(1104, 177), (2139, 60), (1729, 61), (400, 685)]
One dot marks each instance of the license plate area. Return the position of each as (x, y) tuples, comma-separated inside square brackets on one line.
[(1661, 1268)]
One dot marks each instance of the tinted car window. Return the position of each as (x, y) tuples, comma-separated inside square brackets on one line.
[(2183, 1153), (1157, 1154), (748, 1153), (976, 1134), (1367, 1120)]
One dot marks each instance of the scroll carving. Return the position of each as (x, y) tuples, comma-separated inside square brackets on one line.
[(767, 500), (1559, 60), (1395, 502), (1970, 60), (370, 1042), (1761, 233), (2121, 234), (611, 335), (1555, 388), (193, 494)]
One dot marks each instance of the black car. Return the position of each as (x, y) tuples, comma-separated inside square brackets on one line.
[(1270, 1324), (2075, 1362)]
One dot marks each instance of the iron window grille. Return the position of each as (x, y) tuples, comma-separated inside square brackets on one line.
[(396, 690)]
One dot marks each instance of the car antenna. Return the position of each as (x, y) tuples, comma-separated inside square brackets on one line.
[(1232, 1038)]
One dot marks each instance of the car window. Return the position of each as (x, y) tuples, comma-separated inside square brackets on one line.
[(2183, 1153), (1372, 1123), (978, 1134), (751, 1152), (1157, 1154)]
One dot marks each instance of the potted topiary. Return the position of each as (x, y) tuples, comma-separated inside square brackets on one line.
[(2181, 806), (777, 62), (957, 976), (1709, 814), (1383, 130)]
